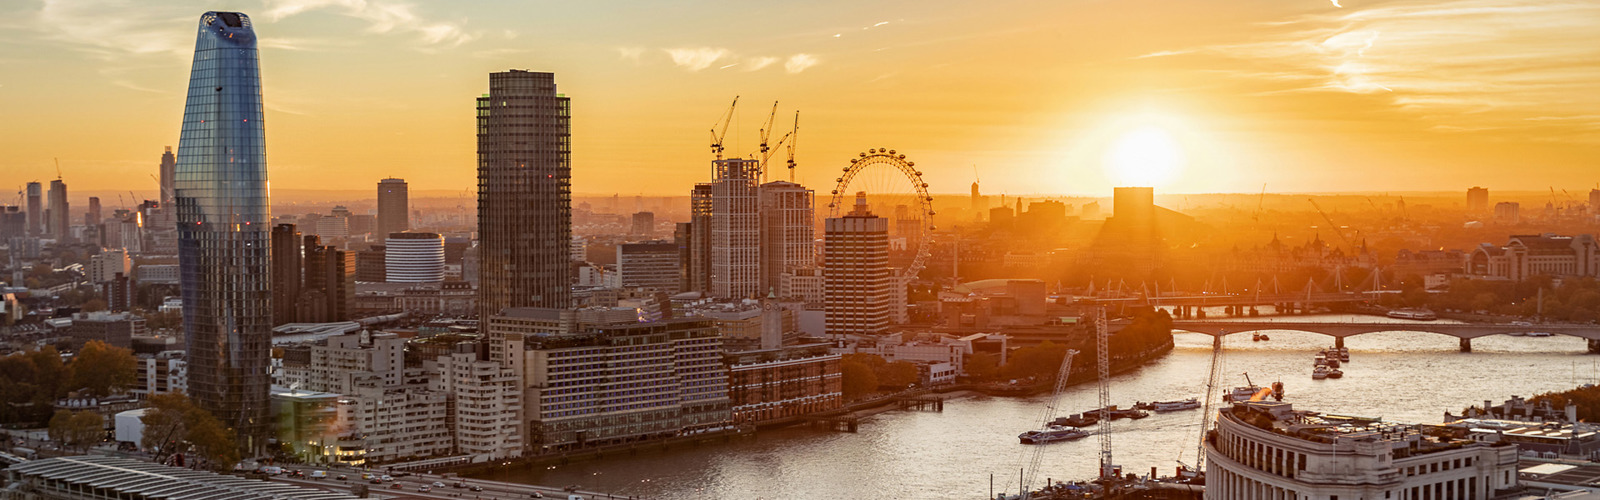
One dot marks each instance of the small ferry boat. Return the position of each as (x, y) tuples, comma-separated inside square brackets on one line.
[(1242, 393), (1320, 372), (1335, 373), (1416, 314), (1259, 337), (1187, 404), (1077, 420), (1051, 434), (1344, 353)]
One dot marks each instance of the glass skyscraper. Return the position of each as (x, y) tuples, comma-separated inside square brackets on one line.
[(224, 233), (524, 194)]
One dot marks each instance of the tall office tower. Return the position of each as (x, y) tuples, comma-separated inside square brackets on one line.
[(93, 217), (1508, 212), (524, 194), (287, 269), (35, 209), (644, 224), (414, 258), (1477, 200), (696, 239), (327, 290), (857, 281), (979, 205), (169, 212), (1594, 201), (394, 212), (788, 232), (735, 229), (13, 223), (224, 242), (60, 223)]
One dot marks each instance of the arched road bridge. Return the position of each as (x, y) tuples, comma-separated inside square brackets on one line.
[(1339, 330)]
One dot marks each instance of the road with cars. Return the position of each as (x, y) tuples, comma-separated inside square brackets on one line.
[(438, 487)]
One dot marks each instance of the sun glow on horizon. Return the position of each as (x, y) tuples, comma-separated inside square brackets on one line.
[(1144, 156)]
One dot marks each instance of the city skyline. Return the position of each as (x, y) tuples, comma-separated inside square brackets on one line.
[(1303, 96)]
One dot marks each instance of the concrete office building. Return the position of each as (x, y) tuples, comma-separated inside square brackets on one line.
[(394, 206), (115, 329), (327, 290), (600, 384), (652, 265), (857, 280), (106, 265), (93, 217), (766, 385), (788, 232), (524, 193), (1267, 450), (735, 229), (1508, 212), (224, 239), (414, 258), (644, 225)]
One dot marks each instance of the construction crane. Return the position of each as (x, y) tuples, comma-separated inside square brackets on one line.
[(1334, 226), (1102, 353), (1032, 470), (721, 129), (1260, 202), (794, 136), (58, 172), (766, 131), (1211, 395)]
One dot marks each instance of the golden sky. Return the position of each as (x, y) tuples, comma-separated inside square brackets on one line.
[(1302, 95)]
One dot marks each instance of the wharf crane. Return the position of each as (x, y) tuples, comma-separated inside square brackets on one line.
[(1032, 469)]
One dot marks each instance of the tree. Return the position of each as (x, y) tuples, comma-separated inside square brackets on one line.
[(76, 430), (983, 366), (173, 424), (101, 369), (858, 378), (898, 374)]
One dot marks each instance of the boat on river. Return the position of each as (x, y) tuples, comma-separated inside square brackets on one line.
[(1132, 413), (1077, 420), (1164, 406), (1335, 373), (1319, 372), (1414, 314), (1051, 434)]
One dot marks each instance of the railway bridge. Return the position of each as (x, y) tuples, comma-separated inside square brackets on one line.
[(1339, 330)]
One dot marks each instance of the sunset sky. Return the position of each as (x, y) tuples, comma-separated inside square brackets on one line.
[(1041, 97)]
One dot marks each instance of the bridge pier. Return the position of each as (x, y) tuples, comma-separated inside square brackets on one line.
[(1338, 341), (1594, 346), (1466, 345)]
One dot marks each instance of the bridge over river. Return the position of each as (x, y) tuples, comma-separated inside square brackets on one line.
[(1340, 329)]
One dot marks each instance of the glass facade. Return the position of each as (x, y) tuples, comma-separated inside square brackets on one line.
[(224, 238), (524, 194)]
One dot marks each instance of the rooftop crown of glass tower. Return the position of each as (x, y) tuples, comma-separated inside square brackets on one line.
[(224, 248)]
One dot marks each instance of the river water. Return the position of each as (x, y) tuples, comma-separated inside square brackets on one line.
[(1401, 376)]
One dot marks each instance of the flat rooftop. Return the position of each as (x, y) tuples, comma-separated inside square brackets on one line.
[(159, 482)]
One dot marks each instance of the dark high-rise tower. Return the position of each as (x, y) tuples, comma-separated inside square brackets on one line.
[(393, 207), (169, 166), (224, 238), (59, 224), (35, 209), (524, 193), (287, 268), (93, 217)]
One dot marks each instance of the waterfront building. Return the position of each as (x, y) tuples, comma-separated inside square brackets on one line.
[(386, 425), (788, 232), (224, 238), (414, 258), (766, 385), (524, 193), (1529, 255), (594, 382), (1477, 200), (90, 477), (1267, 450), (651, 265), (35, 209), (308, 422), (857, 280), (394, 206), (487, 401)]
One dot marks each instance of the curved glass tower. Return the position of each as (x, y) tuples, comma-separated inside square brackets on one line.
[(224, 238)]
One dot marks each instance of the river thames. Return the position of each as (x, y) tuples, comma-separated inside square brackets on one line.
[(1410, 377)]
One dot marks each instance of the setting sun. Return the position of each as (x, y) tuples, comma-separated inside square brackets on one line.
[(1144, 156)]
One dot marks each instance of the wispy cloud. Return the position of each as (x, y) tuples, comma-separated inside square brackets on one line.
[(1468, 65), (695, 58), (759, 63), (131, 32), (382, 16), (799, 62), (631, 53)]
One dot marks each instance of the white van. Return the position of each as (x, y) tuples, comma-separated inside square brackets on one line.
[(319, 474)]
